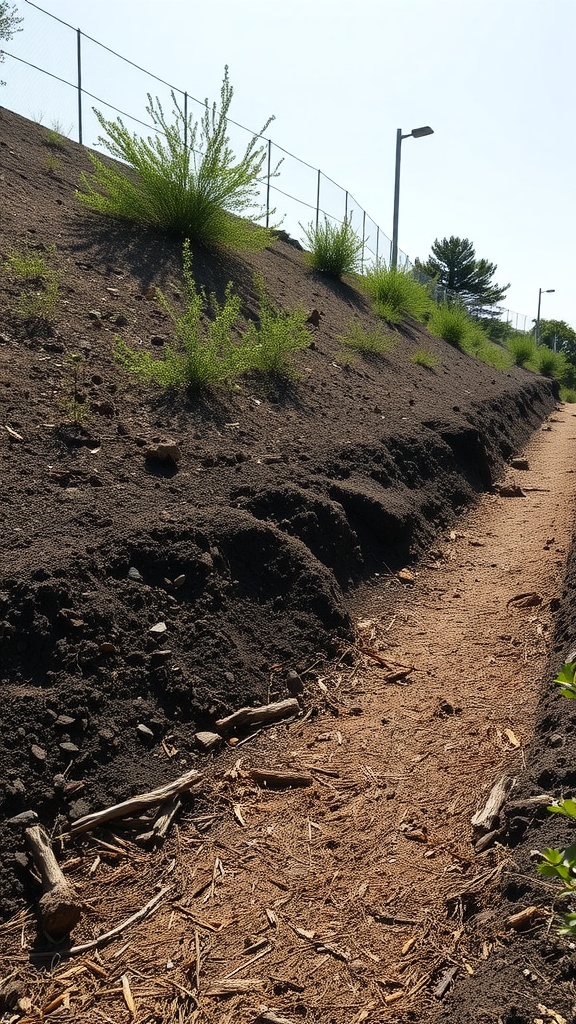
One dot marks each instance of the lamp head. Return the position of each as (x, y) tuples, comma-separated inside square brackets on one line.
[(417, 133)]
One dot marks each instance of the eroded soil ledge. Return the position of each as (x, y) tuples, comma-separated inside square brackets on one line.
[(250, 552)]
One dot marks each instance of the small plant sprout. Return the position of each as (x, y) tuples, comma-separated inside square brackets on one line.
[(73, 401), (566, 679), (37, 303)]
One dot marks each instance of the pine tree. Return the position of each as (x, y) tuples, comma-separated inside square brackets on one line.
[(454, 264)]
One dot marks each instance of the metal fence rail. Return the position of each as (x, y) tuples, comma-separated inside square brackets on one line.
[(70, 70)]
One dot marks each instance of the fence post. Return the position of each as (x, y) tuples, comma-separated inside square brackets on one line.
[(79, 60), (185, 120), (363, 238), (318, 199), (346, 206), (268, 183), (377, 242)]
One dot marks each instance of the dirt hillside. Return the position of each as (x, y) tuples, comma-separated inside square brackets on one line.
[(141, 601)]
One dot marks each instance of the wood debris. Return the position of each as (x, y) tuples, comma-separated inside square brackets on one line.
[(59, 907), (273, 778), (138, 803), (485, 819), (268, 713)]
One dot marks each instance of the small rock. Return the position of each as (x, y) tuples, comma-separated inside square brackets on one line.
[(59, 781), (94, 314), (163, 451), (158, 629), (294, 683), (208, 740), (180, 581), (25, 818), (229, 677), (113, 291), (144, 733), (161, 655), (510, 491), (107, 647), (133, 574), (64, 721), (38, 754), (405, 576), (519, 463), (70, 749), (78, 809)]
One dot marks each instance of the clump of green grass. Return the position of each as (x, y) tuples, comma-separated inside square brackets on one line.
[(269, 346), (523, 350), (36, 305), (187, 181), (550, 364), (424, 358), (334, 249), (452, 323), (395, 294), (54, 136), (30, 264), (206, 354), (369, 342), (568, 394)]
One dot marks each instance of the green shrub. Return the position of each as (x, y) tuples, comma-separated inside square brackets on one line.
[(550, 364), (268, 346), (334, 249), (452, 323), (29, 265), (423, 358), (187, 179), (371, 342), (568, 394), (396, 294), (205, 354), (522, 349), (202, 358)]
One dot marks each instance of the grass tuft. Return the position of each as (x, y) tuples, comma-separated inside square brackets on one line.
[(395, 294), (334, 249), (452, 323), (369, 342), (424, 358), (187, 181), (523, 351)]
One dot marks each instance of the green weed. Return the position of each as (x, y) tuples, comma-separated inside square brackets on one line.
[(334, 249), (452, 323), (523, 350), (370, 342), (550, 364), (29, 265), (73, 401), (36, 305), (269, 345), (187, 179), (423, 358), (396, 294)]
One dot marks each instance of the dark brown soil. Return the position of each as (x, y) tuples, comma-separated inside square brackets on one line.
[(286, 499)]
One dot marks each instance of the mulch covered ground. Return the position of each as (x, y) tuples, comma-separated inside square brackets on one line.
[(141, 600)]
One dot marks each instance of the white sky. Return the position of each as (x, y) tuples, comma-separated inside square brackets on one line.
[(495, 79)]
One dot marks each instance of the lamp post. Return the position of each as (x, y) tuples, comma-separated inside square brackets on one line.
[(541, 292), (416, 133)]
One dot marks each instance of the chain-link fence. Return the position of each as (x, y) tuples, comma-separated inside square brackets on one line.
[(58, 74)]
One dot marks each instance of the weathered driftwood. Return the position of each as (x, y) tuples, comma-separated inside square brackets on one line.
[(486, 818), (59, 907), (157, 834), (266, 714), (273, 779), (530, 805), (108, 936), (137, 803)]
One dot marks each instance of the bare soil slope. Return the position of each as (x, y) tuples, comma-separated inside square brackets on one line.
[(283, 502)]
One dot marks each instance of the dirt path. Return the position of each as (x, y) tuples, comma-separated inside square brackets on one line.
[(344, 901)]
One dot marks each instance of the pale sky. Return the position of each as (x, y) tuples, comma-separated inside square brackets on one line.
[(495, 79)]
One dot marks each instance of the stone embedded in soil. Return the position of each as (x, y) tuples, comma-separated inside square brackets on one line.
[(38, 754), (133, 574), (158, 629), (208, 740), (163, 451), (144, 733), (510, 491), (25, 818), (519, 463), (69, 748), (180, 581), (64, 721)]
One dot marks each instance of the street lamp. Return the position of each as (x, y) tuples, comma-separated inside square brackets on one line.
[(416, 133), (541, 292)]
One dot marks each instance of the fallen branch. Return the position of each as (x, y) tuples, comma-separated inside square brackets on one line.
[(137, 803), (266, 714), (274, 779), (107, 936), (485, 819), (59, 907)]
